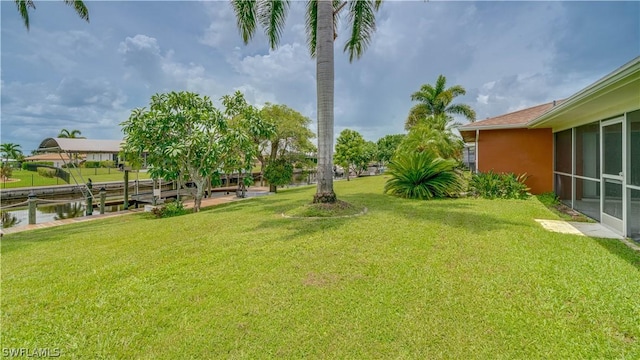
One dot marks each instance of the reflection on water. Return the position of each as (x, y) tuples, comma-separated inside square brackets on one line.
[(64, 211), (48, 213), (8, 219)]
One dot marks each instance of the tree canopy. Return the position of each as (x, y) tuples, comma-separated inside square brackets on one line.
[(387, 146), (183, 135), (437, 100), (71, 134), (353, 153), (10, 151), (291, 139)]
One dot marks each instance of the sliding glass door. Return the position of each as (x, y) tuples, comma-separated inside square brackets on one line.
[(612, 204)]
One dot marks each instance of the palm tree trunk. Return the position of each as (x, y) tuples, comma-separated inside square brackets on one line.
[(324, 81)]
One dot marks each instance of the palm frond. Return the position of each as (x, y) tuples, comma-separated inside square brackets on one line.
[(362, 18), (422, 176), (441, 83), (23, 8), (311, 25), (417, 112), (80, 8), (272, 15), (457, 90), (246, 14), (462, 109)]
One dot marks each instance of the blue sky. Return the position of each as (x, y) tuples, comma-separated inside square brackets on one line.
[(66, 73)]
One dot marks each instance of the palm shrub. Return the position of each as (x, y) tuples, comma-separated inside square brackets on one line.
[(423, 175), (491, 185)]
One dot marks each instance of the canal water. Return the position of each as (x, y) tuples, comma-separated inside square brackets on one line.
[(49, 212)]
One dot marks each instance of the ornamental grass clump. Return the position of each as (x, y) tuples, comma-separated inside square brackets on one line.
[(491, 185), (423, 175)]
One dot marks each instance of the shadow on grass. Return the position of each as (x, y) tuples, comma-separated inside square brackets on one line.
[(621, 250), (302, 228), (449, 212)]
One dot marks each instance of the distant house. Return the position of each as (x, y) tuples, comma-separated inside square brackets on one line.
[(586, 148), (505, 144), (91, 150), (57, 160)]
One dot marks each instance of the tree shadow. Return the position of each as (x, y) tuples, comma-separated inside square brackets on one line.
[(448, 212), (619, 249)]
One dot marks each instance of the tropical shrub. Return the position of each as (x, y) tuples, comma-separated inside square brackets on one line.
[(91, 164), (491, 185), (175, 208), (107, 164), (434, 134), (46, 172), (423, 175)]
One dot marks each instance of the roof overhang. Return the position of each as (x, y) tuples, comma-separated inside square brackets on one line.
[(85, 146), (613, 95)]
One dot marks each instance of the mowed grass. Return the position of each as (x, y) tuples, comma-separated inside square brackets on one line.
[(32, 178), (464, 278)]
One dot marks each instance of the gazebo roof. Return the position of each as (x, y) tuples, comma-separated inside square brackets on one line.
[(80, 145)]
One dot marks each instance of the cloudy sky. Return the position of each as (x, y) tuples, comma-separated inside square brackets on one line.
[(66, 73)]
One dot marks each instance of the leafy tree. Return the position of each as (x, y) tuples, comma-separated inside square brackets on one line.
[(6, 171), (10, 151), (73, 134), (368, 155), (321, 20), (291, 139), (248, 130), (423, 175), (436, 100), (387, 146), (433, 134), (278, 172), (184, 136), (24, 6), (350, 151)]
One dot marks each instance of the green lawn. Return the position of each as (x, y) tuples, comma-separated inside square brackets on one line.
[(460, 279), (32, 178)]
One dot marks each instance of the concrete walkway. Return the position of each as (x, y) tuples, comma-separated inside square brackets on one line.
[(595, 230), (579, 228), (208, 202)]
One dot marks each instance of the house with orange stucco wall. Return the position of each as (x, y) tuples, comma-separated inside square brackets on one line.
[(504, 144), (586, 148)]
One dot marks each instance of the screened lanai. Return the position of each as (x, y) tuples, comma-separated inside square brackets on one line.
[(597, 150)]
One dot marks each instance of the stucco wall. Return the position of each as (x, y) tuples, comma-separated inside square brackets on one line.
[(519, 151)]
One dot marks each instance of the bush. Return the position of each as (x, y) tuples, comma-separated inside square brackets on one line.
[(278, 172), (33, 166), (107, 164), (423, 175), (175, 208), (91, 164), (46, 172), (491, 185)]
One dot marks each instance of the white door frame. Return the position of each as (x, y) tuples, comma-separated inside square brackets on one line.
[(612, 222)]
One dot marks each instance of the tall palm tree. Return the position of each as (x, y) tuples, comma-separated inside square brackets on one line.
[(73, 134), (436, 100), (24, 5), (10, 150), (321, 19)]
